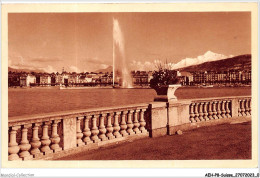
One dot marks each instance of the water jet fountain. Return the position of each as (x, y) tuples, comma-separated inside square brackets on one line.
[(119, 53)]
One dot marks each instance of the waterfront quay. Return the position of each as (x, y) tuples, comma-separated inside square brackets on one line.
[(60, 134), (139, 78)]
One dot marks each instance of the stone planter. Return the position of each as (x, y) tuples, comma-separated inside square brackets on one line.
[(166, 93)]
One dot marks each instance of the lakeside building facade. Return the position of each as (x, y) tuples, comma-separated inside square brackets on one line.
[(139, 78), (234, 77)]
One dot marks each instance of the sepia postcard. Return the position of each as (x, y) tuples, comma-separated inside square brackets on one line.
[(170, 85)]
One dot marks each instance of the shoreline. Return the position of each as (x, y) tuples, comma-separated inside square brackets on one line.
[(110, 87)]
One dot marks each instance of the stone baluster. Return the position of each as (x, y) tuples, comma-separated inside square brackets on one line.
[(87, 131), (123, 124), (249, 106), (55, 138), (219, 109), (79, 134), (246, 107), (192, 115), (116, 125), (223, 114), (136, 122), (130, 124), (196, 112), (239, 108), (227, 109), (210, 111), (214, 111), (13, 147), (243, 108), (24, 144), (45, 139), (35, 142), (94, 130), (142, 121), (201, 112), (102, 128), (206, 111), (110, 129)]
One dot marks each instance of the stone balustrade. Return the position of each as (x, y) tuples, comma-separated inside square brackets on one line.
[(218, 108), (44, 136), (39, 137), (209, 110)]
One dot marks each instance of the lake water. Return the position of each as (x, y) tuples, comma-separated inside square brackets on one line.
[(45, 100)]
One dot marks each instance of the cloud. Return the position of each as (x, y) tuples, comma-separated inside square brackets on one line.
[(103, 66), (21, 63), (74, 69), (48, 69), (142, 66), (207, 57), (45, 60), (90, 60)]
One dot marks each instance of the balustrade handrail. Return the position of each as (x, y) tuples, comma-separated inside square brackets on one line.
[(218, 98), (27, 119)]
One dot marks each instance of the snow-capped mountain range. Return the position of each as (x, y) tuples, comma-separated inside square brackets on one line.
[(207, 57)]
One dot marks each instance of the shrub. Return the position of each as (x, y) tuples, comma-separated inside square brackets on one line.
[(164, 76)]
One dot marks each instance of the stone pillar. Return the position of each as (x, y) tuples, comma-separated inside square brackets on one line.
[(249, 105), (205, 111), (94, 130), (201, 112), (159, 119), (87, 132), (130, 124), (45, 139), (242, 107), (227, 109), (116, 125), (55, 138), (210, 116), (178, 114), (136, 122), (142, 121), (79, 134), (102, 128), (192, 115), (223, 114), (196, 112), (110, 129), (214, 111), (24, 144), (235, 107), (69, 133), (219, 109), (239, 108), (35, 142), (246, 107), (123, 124), (13, 147)]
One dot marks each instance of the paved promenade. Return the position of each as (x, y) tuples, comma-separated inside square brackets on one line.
[(228, 141)]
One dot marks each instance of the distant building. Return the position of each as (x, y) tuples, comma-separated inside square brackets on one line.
[(73, 78), (140, 78), (30, 80), (88, 79), (186, 78), (45, 79), (232, 77), (13, 79)]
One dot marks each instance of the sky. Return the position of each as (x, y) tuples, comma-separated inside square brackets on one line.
[(82, 42)]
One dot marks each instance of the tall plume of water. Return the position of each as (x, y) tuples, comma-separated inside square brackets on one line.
[(118, 45)]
